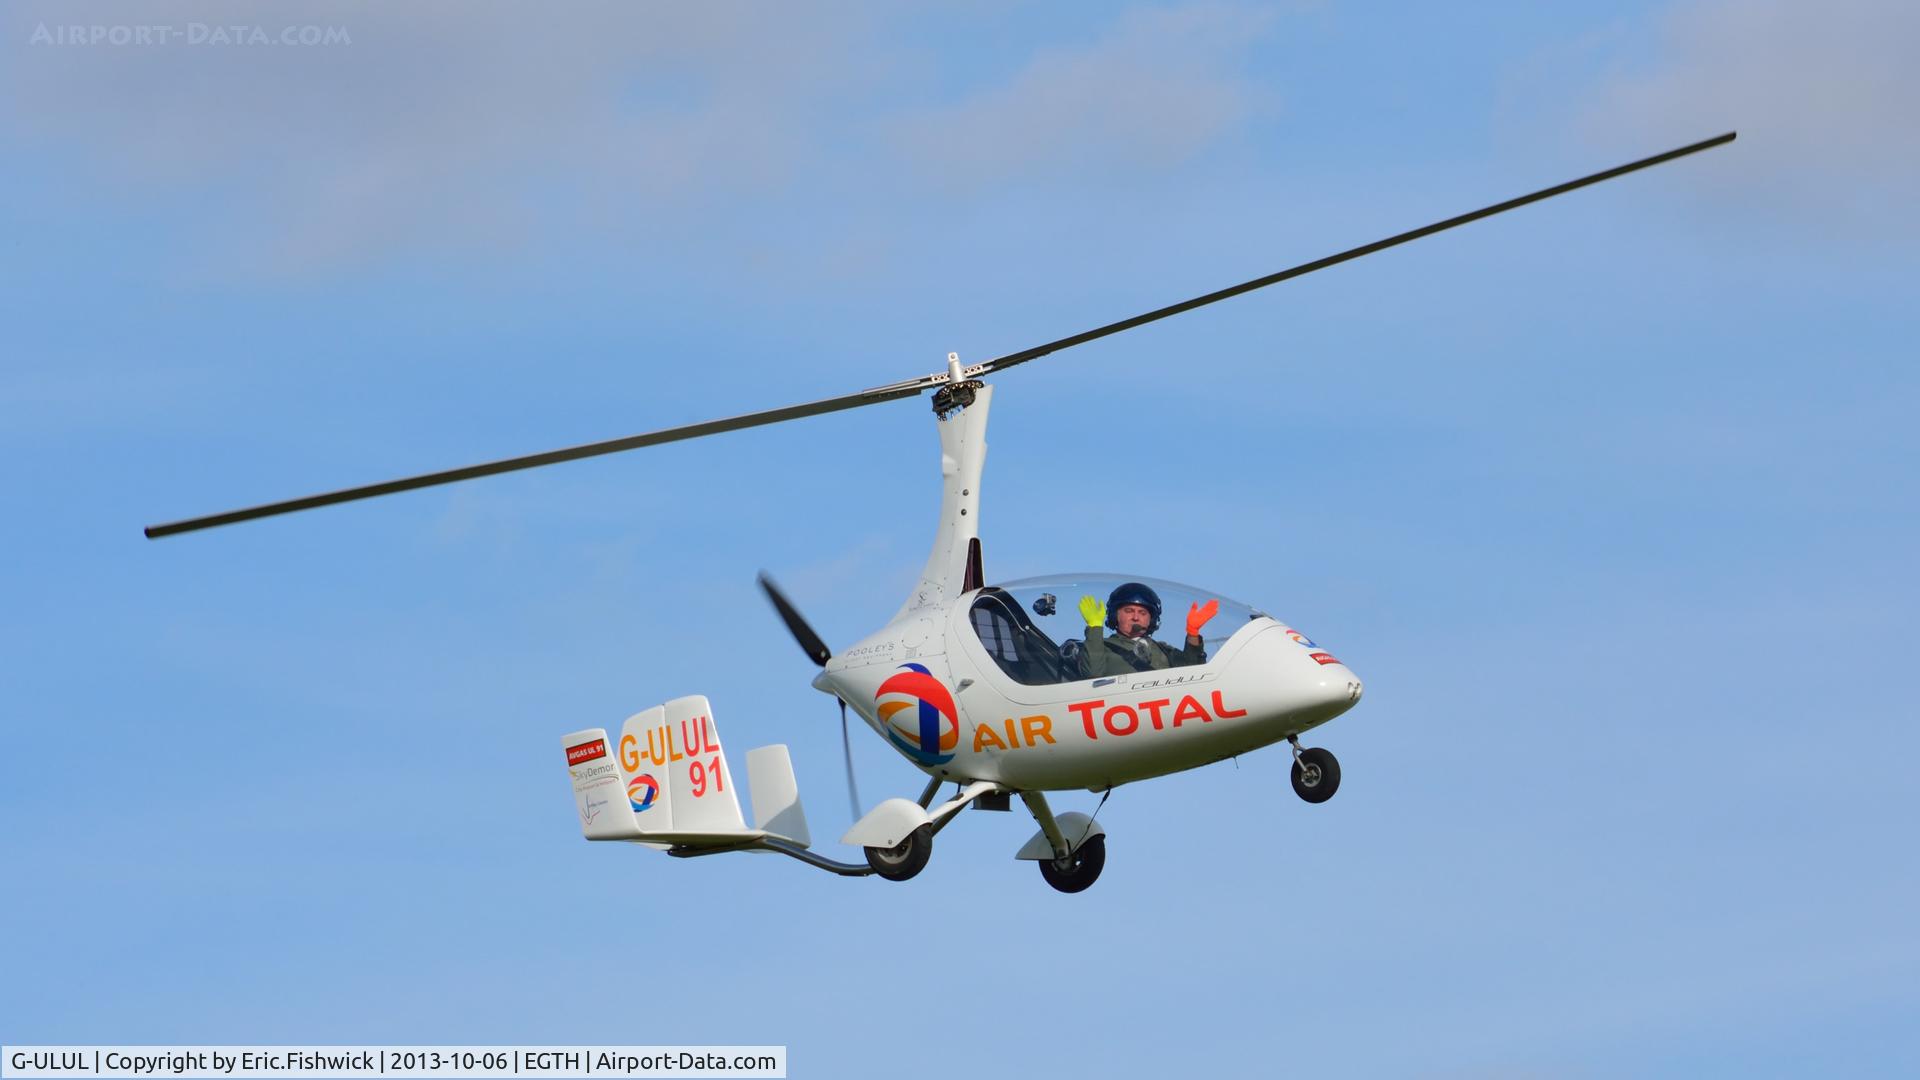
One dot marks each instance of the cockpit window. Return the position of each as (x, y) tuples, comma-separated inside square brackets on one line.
[(1036, 629), (1021, 649)]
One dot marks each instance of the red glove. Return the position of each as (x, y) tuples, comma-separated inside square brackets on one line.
[(1198, 615)]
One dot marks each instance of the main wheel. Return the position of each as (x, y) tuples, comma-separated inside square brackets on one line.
[(1079, 869), (905, 859), (1316, 775)]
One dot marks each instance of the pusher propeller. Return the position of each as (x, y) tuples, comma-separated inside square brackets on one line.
[(911, 387), (817, 652), (810, 642), (846, 753)]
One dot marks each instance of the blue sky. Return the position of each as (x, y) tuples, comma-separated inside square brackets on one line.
[(1610, 501)]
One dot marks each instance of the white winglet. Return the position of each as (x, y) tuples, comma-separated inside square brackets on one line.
[(776, 795)]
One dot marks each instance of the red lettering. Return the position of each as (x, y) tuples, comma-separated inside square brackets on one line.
[(1222, 711), (1085, 709), (1190, 710), (1133, 720), (1153, 710)]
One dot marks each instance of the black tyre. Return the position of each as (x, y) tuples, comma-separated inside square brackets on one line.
[(1081, 869), (909, 858), (1316, 775)]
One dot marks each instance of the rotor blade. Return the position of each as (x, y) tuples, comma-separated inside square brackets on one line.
[(1009, 360), (892, 392), (810, 642), (846, 748)]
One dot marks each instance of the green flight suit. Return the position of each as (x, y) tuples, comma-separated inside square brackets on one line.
[(1117, 656)]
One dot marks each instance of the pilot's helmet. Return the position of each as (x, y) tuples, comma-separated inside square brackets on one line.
[(1133, 593)]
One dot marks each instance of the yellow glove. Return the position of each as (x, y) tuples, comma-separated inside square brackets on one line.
[(1093, 610)]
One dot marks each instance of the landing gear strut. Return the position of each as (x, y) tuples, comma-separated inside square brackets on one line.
[(1316, 772)]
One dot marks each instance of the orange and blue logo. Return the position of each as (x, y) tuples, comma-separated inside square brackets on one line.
[(641, 791), (1314, 652), (917, 713)]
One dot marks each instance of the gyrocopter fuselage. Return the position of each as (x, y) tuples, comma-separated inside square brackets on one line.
[(1001, 689), (989, 687)]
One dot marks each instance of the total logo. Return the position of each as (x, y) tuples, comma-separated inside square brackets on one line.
[(641, 791), (917, 713), (1318, 655)]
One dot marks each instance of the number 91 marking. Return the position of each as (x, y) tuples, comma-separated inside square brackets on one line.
[(698, 772)]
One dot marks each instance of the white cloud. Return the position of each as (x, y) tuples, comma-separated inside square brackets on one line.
[(1823, 95), (477, 129), (463, 124), (1156, 88)]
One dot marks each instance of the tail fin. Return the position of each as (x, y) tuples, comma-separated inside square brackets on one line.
[(596, 787), (687, 746), (666, 778), (676, 775), (649, 795), (666, 783)]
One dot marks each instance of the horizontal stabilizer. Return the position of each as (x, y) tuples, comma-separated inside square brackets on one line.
[(665, 784), (693, 839)]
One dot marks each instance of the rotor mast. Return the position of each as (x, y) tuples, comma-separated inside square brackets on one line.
[(960, 407)]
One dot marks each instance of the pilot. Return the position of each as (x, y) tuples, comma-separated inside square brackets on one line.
[(1132, 611)]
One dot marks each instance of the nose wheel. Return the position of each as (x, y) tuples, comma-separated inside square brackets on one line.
[(1078, 870), (1316, 772)]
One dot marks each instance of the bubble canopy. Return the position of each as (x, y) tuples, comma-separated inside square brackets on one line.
[(1033, 628)]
